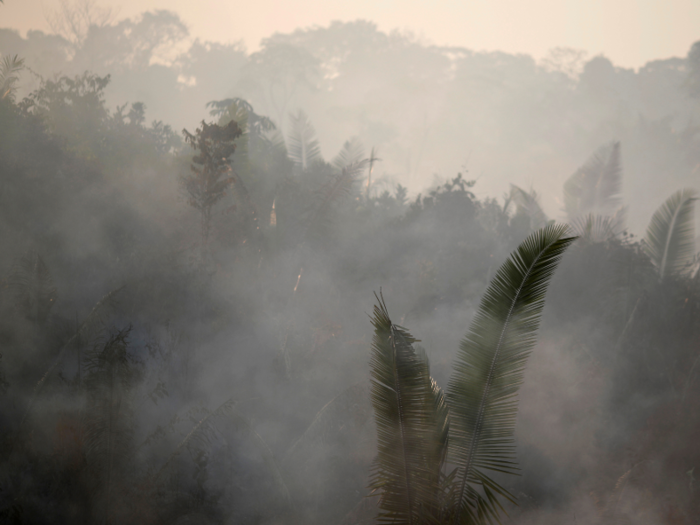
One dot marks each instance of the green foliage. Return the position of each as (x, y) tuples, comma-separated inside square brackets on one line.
[(482, 394), (411, 414)]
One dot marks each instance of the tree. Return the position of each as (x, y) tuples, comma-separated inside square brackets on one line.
[(9, 68), (694, 70), (420, 429), (73, 20), (277, 71), (211, 168)]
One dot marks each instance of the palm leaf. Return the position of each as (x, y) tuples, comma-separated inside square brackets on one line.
[(333, 190), (527, 204), (352, 151), (302, 144), (9, 67), (596, 228), (595, 186), (670, 237), (482, 393), (404, 400)]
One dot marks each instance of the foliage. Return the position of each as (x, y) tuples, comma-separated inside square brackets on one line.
[(133, 429), (411, 413), (595, 186), (9, 68), (670, 237), (302, 142), (211, 168)]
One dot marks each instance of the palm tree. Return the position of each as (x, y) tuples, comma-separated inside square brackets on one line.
[(596, 186), (434, 450), (9, 68)]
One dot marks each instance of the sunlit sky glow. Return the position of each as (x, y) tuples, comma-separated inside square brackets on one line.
[(629, 32)]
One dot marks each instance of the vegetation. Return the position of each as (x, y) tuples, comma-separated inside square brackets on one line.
[(472, 426), (183, 327)]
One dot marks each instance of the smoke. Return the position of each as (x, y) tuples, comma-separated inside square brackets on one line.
[(155, 371)]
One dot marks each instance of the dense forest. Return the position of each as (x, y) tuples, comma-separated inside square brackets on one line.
[(197, 326)]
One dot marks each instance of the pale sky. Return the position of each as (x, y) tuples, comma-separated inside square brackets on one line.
[(629, 32)]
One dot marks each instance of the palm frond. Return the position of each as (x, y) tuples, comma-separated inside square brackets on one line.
[(596, 186), (91, 322), (334, 189), (596, 228), (9, 68), (527, 204), (404, 400), (353, 151), (482, 393), (670, 236), (302, 146)]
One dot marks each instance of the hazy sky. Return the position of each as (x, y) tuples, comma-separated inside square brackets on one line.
[(629, 32)]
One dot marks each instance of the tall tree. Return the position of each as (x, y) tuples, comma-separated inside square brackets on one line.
[(211, 168)]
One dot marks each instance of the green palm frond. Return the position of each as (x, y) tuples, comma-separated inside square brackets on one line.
[(353, 151), (596, 186), (302, 144), (482, 393), (404, 401), (527, 204), (670, 237)]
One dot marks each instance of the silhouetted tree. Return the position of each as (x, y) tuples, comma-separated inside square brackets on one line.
[(211, 169)]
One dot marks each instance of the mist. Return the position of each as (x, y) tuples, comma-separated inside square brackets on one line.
[(200, 241)]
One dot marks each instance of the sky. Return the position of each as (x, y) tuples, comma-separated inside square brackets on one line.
[(629, 32)]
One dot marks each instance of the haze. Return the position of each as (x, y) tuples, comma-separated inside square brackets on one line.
[(629, 32), (349, 264)]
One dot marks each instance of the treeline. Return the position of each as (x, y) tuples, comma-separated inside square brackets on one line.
[(427, 109)]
